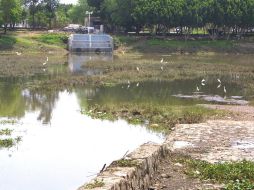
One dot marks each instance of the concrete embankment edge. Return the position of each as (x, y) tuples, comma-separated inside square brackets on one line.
[(137, 176)]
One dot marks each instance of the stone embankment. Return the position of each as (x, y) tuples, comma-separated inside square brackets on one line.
[(213, 141)]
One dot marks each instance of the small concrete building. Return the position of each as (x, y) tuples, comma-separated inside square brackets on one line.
[(90, 43)]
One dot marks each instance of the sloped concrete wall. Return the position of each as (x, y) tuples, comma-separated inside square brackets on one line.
[(136, 177)]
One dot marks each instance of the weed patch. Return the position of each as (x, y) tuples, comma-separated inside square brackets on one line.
[(5, 132), (55, 39), (125, 163), (7, 42), (96, 183), (236, 175)]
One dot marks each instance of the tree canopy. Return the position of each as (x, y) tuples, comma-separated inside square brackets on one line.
[(134, 15)]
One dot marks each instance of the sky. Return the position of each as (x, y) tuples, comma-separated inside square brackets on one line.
[(68, 1)]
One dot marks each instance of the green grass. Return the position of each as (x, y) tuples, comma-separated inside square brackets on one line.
[(235, 175), (125, 163), (164, 117), (7, 42), (52, 39), (96, 183), (191, 43)]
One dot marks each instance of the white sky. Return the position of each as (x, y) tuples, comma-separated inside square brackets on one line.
[(68, 1)]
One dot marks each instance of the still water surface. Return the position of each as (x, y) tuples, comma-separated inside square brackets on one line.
[(67, 150), (61, 148)]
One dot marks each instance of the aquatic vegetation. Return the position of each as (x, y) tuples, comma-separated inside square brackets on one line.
[(7, 143), (5, 132), (12, 122)]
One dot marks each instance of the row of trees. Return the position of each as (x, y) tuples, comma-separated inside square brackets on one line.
[(161, 15), (37, 13), (134, 15)]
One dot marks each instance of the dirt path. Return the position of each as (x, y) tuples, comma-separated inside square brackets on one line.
[(213, 141)]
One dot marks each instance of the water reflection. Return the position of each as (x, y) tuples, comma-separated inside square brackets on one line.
[(64, 154), (15, 102), (77, 62)]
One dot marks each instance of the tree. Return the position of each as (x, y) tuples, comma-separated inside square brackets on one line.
[(11, 12), (33, 8), (77, 13), (50, 10)]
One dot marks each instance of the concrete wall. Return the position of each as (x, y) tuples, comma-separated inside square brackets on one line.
[(136, 176)]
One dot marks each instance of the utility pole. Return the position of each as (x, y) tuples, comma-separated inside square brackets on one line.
[(89, 13)]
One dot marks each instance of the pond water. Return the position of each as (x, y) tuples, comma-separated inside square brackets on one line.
[(62, 148)]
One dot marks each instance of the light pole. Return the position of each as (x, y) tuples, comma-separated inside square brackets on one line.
[(89, 13)]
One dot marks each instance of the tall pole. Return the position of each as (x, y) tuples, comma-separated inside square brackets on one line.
[(89, 15)]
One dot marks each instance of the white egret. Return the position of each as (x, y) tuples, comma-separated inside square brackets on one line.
[(219, 81), (219, 86), (162, 60), (128, 82), (162, 68), (225, 91), (137, 84), (44, 63), (203, 84), (203, 80), (18, 53), (137, 68), (128, 86), (198, 89), (47, 59)]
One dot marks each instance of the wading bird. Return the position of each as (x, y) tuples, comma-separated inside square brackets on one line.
[(219, 81), (18, 53), (162, 60), (162, 68), (137, 68), (197, 89), (225, 91)]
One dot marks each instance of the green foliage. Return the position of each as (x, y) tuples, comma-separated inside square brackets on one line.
[(5, 132), (6, 143), (10, 12), (7, 42), (58, 39), (94, 184), (77, 13), (240, 185), (125, 163), (236, 175)]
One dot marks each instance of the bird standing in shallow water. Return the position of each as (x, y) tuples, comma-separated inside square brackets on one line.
[(225, 91), (197, 89), (162, 60)]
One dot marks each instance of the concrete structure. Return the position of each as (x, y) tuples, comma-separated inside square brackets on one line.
[(90, 43), (214, 141), (136, 177)]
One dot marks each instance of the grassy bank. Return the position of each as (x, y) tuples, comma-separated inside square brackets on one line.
[(33, 42), (235, 175), (181, 45)]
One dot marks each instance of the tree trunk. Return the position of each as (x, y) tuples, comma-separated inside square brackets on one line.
[(5, 28)]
